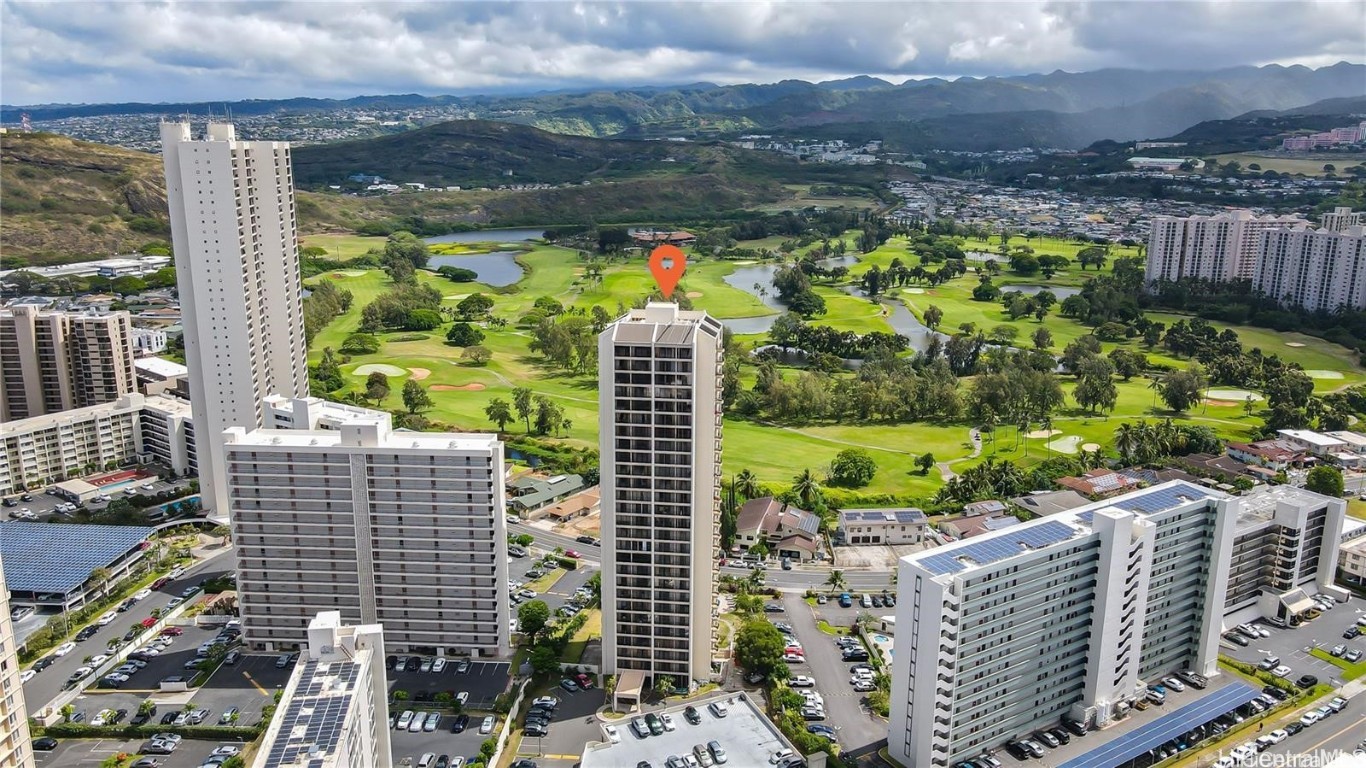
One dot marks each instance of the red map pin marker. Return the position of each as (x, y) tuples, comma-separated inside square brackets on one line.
[(667, 276)]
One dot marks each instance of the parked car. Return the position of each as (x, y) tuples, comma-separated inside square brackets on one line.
[(486, 727), (691, 714)]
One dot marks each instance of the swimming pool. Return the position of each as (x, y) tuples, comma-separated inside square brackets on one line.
[(881, 639)]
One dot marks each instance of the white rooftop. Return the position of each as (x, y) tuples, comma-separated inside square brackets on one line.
[(748, 738), (157, 366), (1311, 437)]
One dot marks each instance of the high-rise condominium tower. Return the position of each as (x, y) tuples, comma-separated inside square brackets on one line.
[(403, 529), (237, 267), (1221, 247), (56, 361), (15, 748), (660, 397)]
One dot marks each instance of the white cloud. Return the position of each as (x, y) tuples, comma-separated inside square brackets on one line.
[(100, 51)]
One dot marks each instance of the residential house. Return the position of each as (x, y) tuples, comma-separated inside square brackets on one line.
[(905, 525), (975, 525), (1045, 503), (531, 492), (1100, 483), (786, 530), (1277, 455)]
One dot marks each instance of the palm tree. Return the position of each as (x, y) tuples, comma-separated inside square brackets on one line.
[(806, 487), (222, 532), (1126, 441), (836, 580), (746, 484), (99, 578)]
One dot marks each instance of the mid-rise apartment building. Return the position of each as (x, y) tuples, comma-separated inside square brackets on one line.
[(55, 361), (334, 711), (1319, 269), (1285, 548), (1341, 218), (403, 529), (660, 425), (58, 446), (237, 269), (1068, 615), (1221, 247), (15, 747)]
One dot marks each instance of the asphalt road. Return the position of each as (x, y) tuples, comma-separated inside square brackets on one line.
[(47, 684), (1339, 733)]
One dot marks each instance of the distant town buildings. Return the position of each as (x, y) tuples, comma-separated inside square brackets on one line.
[(15, 748), (55, 361), (403, 529), (236, 250), (660, 423), (1165, 163), (1350, 134), (334, 711)]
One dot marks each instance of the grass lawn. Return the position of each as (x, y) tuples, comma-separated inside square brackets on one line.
[(1356, 508), (1350, 671), (829, 629), (1041, 245), (542, 585), (342, 247), (1282, 164), (573, 650)]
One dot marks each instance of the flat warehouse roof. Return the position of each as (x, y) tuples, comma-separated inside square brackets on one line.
[(1160, 731), (59, 557)]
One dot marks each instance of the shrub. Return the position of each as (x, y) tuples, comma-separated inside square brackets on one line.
[(567, 563)]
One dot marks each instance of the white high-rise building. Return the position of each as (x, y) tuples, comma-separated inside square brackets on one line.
[(1341, 218), (403, 529), (660, 426), (1314, 269), (1221, 247), (237, 267), (1067, 616), (15, 747), (334, 712)]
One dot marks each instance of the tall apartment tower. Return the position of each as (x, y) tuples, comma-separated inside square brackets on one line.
[(1067, 616), (56, 361), (15, 747), (334, 712), (403, 529), (659, 374), (1341, 218), (237, 269), (1315, 269), (1221, 247)]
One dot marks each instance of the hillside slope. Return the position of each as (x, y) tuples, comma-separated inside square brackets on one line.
[(63, 198)]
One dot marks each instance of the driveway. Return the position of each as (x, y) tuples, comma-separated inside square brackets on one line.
[(845, 709)]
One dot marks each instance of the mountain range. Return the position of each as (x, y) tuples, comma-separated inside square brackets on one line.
[(1055, 109)]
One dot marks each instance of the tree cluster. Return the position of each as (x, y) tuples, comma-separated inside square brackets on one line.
[(322, 306), (1147, 443), (403, 307), (890, 389), (790, 331)]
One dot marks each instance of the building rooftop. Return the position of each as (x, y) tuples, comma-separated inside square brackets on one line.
[(1259, 506), (748, 738), (310, 728), (128, 402), (888, 515), (173, 405), (767, 514), (59, 558), (1050, 502), (958, 557), (663, 323), (1313, 438), (376, 436), (160, 368)]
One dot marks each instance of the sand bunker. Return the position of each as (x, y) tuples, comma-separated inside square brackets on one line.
[(475, 387), (1090, 447), (1320, 374), (1066, 444), (419, 373), (349, 273), (1040, 434), (384, 368), (912, 290), (743, 263), (693, 294), (1232, 395), (1221, 403), (456, 296), (1294, 343)]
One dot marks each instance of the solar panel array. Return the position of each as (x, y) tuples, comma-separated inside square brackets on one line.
[(1124, 748), (59, 557), (908, 515), (951, 559), (1160, 499), (313, 721)]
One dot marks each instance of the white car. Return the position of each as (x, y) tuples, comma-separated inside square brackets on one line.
[(1282, 671), (1174, 684), (142, 594), (802, 681), (27, 676), (64, 649), (226, 751), (404, 720), (101, 717), (486, 727), (147, 486), (668, 721), (439, 665), (612, 734), (1311, 717), (98, 659), (107, 618)]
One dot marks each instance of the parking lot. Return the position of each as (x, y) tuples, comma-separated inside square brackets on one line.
[(560, 592), (1292, 645), (90, 753), (574, 724), (43, 505), (484, 681), (846, 709)]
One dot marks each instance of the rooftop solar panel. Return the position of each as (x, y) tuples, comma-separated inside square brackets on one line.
[(312, 724), (1160, 499), (956, 558), (1124, 748), (59, 558)]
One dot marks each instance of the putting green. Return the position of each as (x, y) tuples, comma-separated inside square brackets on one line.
[(1322, 374), (1235, 395), (1067, 444), (384, 368)]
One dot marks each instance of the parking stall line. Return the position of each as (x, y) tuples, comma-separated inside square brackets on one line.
[(255, 684)]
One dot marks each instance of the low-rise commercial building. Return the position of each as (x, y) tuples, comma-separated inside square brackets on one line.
[(892, 526), (404, 529), (334, 711)]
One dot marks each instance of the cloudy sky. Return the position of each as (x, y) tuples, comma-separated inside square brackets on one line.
[(191, 51)]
